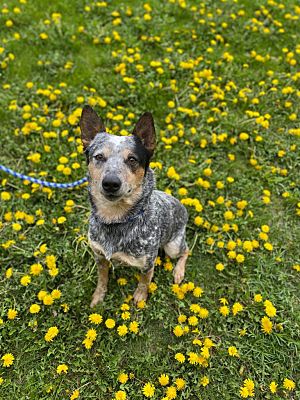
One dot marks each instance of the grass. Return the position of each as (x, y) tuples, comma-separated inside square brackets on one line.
[(219, 62)]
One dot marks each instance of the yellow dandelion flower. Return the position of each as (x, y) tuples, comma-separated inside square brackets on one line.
[(41, 294), (268, 246), (53, 272), (91, 334), (50, 261), (8, 273), (56, 294), (208, 343), (164, 379), (236, 308), (232, 351), (110, 323), (134, 327), (204, 381), (36, 269), (224, 310), (5, 196), (51, 333), (7, 359), (219, 267), (152, 287), (148, 389), (43, 36), (123, 378), (266, 325), (193, 320), (88, 343), (95, 318), (244, 393), (62, 368), (122, 330), (141, 304), (270, 309), (203, 313), (48, 300), (273, 387), (43, 248), (61, 220), (16, 227), (178, 331), (258, 298), (180, 357), (181, 318), (34, 308), (11, 314), (120, 395), (180, 383), (289, 384), (240, 258), (75, 395), (25, 280), (171, 392), (193, 358)]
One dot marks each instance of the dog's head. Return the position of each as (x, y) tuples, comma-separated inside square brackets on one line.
[(117, 164)]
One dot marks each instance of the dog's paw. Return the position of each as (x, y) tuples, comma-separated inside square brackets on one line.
[(178, 275), (140, 294), (97, 298)]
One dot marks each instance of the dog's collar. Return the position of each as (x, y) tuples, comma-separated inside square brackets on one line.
[(133, 217)]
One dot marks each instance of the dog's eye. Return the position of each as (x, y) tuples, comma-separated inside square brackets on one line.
[(132, 160), (99, 157)]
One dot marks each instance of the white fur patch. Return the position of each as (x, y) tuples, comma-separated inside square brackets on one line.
[(173, 248), (130, 260), (139, 262)]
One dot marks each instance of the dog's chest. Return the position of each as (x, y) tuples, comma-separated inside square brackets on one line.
[(118, 256)]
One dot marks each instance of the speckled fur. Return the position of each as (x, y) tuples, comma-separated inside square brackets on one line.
[(154, 221)]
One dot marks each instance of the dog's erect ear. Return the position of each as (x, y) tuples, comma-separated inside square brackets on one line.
[(90, 124), (144, 129)]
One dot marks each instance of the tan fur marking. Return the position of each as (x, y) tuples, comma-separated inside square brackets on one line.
[(101, 289), (134, 178), (96, 172), (179, 269), (139, 173), (111, 211), (126, 153), (141, 292)]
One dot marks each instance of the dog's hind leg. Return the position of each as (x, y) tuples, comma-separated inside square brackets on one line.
[(179, 269), (100, 291), (178, 248), (141, 292)]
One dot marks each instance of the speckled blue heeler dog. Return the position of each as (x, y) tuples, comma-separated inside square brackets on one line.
[(130, 220)]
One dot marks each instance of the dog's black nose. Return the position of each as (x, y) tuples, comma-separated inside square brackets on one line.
[(111, 183)]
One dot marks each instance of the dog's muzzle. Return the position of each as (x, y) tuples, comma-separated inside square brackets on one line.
[(111, 184)]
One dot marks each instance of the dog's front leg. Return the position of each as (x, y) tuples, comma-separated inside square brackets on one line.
[(141, 292), (100, 291)]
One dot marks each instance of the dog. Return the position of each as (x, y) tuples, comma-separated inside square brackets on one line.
[(130, 220)]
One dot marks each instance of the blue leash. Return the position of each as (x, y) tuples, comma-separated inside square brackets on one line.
[(41, 182)]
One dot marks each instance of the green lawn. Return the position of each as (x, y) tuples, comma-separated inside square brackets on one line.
[(222, 81)]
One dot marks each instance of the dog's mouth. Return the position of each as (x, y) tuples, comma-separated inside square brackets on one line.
[(112, 197)]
